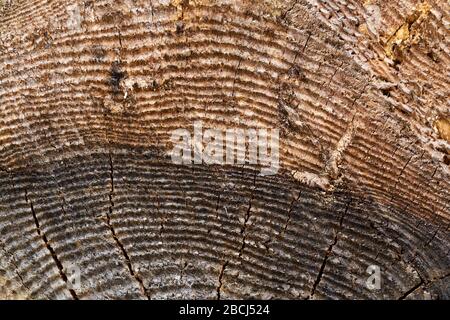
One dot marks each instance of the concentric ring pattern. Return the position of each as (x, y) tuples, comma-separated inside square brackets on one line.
[(90, 92)]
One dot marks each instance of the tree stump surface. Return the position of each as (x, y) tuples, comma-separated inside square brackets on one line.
[(90, 92)]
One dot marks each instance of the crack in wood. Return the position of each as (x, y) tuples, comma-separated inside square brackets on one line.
[(291, 207), (16, 268), (49, 247), (220, 283), (247, 217), (116, 238), (329, 251)]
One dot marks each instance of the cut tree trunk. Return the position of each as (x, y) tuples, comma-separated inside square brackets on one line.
[(90, 92)]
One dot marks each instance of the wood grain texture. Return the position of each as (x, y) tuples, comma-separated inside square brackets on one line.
[(90, 92)]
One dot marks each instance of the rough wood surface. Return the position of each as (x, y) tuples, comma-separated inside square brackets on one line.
[(91, 90)]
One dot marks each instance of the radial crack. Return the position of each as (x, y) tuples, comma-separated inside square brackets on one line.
[(401, 174), (421, 284), (49, 247), (329, 251), (291, 207), (235, 77), (247, 218), (219, 286), (114, 235), (283, 16), (16, 267), (407, 293)]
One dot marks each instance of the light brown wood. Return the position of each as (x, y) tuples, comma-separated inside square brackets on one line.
[(90, 92)]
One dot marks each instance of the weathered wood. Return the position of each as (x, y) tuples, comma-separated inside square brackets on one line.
[(90, 92)]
